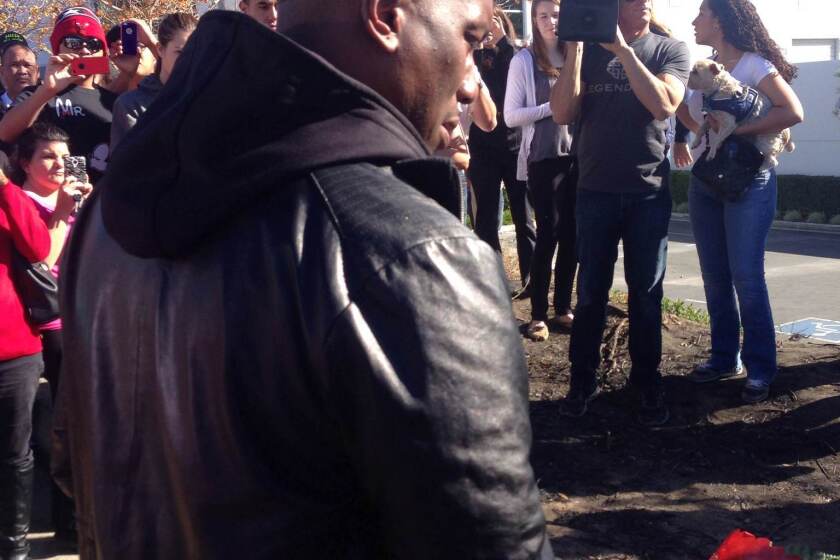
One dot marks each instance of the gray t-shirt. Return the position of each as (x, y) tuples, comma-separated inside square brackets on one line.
[(619, 145)]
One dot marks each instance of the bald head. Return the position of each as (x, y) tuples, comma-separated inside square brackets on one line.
[(415, 53)]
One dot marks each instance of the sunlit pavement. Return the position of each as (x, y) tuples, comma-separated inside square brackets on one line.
[(802, 270)]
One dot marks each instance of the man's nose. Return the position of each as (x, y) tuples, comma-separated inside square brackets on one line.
[(468, 92)]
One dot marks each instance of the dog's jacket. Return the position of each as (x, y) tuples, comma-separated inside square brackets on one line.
[(741, 106)]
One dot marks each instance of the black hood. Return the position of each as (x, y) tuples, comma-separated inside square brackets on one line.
[(246, 110)]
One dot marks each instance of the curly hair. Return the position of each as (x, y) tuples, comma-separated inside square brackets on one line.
[(743, 29)]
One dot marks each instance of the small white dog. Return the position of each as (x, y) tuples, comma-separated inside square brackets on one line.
[(731, 103)]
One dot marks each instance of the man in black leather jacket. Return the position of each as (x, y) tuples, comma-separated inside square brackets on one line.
[(280, 343)]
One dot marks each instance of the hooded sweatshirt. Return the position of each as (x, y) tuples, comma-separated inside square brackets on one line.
[(205, 153), (130, 105), (283, 346)]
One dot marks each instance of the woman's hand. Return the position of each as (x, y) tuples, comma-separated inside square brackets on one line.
[(146, 36), (58, 76), (71, 194), (496, 32), (682, 155), (140, 63)]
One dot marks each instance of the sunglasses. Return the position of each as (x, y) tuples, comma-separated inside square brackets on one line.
[(76, 43)]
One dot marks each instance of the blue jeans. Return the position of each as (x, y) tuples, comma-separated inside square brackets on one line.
[(731, 238), (641, 222)]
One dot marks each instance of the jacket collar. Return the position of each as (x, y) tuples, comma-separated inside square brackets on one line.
[(435, 177)]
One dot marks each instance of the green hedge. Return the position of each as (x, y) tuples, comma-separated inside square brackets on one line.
[(804, 193)]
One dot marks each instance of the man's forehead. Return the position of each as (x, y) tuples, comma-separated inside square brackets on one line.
[(18, 52)]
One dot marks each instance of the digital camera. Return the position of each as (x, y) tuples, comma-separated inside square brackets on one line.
[(590, 21)]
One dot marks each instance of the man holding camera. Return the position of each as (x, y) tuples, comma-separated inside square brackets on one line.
[(285, 345), (621, 96), (70, 97)]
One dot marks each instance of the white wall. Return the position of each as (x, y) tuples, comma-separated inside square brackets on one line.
[(818, 138), (786, 20)]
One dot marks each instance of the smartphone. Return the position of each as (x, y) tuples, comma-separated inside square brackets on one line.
[(88, 65), (128, 36), (75, 166)]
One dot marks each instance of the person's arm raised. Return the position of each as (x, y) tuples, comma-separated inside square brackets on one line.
[(24, 114), (483, 109), (660, 94), (567, 93)]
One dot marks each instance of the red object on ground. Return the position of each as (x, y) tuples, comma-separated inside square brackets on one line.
[(740, 545)]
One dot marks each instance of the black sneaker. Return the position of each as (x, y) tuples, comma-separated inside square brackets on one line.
[(705, 373), (653, 411), (755, 392), (577, 401)]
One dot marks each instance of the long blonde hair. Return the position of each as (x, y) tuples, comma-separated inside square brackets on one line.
[(658, 27), (538, 45)]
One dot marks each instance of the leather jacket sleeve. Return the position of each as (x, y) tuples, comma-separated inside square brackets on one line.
[(431, 388)]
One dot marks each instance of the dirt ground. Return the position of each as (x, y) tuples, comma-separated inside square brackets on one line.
[(614, 490)]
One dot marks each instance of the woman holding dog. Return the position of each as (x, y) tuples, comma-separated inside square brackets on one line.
[(731, 236)]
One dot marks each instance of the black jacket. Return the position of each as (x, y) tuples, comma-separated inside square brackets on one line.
[(277, 345)]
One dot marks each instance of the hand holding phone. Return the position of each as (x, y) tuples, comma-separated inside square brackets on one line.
[(89, 65), (128, 37), (75, 171), (76, 166)]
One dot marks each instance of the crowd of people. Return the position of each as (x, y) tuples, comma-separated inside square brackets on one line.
[(276, 336)]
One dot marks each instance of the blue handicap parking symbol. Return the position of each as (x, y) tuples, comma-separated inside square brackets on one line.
[(823, 330)]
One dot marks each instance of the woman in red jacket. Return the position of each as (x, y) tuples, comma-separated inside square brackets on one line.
[(21, 231)]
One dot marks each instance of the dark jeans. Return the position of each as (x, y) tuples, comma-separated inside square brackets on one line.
[(731, 238), (640, 221), (18, 385), (553, 184), (487, 171)]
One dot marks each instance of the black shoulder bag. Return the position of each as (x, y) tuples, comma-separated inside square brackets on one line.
[(37, 288), (732, 170)]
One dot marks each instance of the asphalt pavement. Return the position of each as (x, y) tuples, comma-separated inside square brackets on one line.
[(802, 270)]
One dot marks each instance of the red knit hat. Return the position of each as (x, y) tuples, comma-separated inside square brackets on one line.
[(77, 21)]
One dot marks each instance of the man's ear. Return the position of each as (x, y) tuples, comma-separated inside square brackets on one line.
[(243, 6), (383, 20)]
